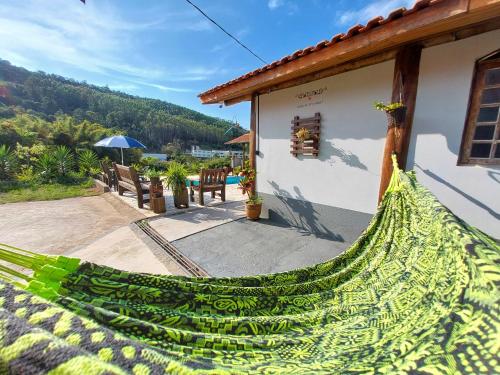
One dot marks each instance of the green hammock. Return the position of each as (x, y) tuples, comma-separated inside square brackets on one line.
[(417, 292)]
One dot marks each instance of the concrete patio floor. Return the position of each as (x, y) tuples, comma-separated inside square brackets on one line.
[(244, 247), (182, 224), (216, 237), (95, 229)]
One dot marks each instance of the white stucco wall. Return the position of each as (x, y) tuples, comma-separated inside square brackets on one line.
[(347, 172), (472, 192)]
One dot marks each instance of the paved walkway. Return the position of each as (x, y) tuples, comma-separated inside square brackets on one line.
[(177, 226), (95, 229), (122, 249), (216, 237)]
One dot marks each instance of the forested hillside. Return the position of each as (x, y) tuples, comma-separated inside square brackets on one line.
[(49, 97)]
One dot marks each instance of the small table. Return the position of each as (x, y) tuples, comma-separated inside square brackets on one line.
[(158, 205)]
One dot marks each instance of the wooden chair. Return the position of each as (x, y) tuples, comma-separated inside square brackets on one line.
[(107, 175), (211, 180), (128, 179)]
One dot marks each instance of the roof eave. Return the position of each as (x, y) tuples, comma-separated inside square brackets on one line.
[(415, 26)]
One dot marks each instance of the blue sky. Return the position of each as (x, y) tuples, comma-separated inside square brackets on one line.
[(166, 49)]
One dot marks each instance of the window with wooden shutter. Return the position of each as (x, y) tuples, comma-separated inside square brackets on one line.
[(481, 139)]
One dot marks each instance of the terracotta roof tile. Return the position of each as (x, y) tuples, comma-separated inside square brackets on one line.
[(339, 38), (353, 30), (395, 14), (336, 38), (374, 22), (245, 138)]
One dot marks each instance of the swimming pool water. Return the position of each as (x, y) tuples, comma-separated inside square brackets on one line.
[(231, 180)]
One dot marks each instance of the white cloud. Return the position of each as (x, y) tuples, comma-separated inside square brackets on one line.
[(94, 37), (125, 87), (166, 88), (222, 46), (373, 9), (68, 32), (202, 25), (273, 4), (290, 7)]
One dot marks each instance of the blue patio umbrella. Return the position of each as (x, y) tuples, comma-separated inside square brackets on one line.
[(121, 142)]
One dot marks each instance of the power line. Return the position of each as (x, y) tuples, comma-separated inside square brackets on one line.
[(228, 33)]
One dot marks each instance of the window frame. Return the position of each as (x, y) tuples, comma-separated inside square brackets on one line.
[(476, 91)]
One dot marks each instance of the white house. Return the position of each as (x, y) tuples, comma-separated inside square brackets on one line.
[(440, 58), (197, 152)]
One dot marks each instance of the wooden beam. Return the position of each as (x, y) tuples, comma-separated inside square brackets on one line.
[(334, 70), (404, 89), (244, 98), (439, 18), (378, 58), (253, 137), (464, 33)]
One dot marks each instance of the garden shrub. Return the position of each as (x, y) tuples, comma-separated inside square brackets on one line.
[(46, 167), (88, 162), (27, 175), (63, 160), (8, 163)]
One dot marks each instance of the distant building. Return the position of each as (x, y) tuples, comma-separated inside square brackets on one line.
[(197, 152), (156, 156)]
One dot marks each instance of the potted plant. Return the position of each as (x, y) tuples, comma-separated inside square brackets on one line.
[(253, 206), (396, 111), (175, 179), (303, 135), (154, 176)]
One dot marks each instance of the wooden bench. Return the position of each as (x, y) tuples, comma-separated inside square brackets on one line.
[(128, 179), (211, 180), (107, 175)]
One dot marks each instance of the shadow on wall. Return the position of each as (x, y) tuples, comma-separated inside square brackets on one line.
[(330, 153), (301, 213), (470, 198), (431, 126)]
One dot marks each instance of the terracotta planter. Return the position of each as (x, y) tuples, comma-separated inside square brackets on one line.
[(181, 198), (253, 210), (397, 116)]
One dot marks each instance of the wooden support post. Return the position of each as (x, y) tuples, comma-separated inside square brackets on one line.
[(404, 89), (253, 135)]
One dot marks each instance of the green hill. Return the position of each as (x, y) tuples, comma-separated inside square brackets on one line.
[(154, 122)]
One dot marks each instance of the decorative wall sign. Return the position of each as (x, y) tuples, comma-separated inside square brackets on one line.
[(306, 135), (310, 97)]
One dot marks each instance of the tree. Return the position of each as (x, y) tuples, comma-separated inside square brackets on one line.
[(172, 148), (156, 123)]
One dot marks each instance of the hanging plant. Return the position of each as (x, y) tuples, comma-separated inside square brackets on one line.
[(303, 134), (396, 112)]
